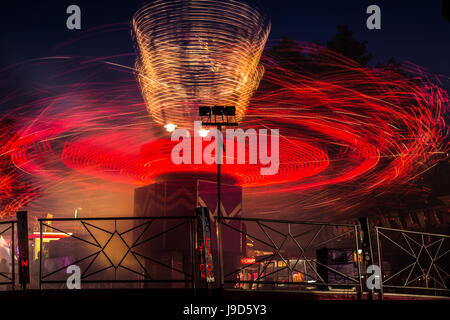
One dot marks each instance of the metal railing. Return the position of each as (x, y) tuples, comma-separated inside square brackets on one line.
[(110, 251), (144, 252), (293, 255), (7, 268), (122, 250), (413, 262)]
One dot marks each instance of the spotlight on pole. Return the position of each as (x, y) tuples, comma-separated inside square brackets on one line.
[(218, 110), (227, 116), (224, 113), (204, 111), (229, 111)]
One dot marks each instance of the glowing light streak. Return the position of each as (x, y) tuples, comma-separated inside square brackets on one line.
[(198, 53), (346, 137)]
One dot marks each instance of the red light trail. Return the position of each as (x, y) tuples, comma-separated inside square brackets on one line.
[(348, 134)]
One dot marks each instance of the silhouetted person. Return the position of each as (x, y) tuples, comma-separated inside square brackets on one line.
[(4, 266), (4, 269)]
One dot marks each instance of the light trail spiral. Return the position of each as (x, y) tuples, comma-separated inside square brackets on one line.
[(347, 137), (198, 53)]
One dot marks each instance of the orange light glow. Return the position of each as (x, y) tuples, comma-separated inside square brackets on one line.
[(198, 53), (248, 260)]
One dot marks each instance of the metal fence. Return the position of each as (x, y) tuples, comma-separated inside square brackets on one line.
[(7, 255), (257, 254), (293, 255), (413, 262), (164, 252), (117, 252)]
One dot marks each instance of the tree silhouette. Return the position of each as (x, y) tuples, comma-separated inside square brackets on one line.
[(344, 43)]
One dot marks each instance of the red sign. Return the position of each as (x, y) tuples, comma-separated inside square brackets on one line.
[(204, 246), (22, 235), (248, 260)]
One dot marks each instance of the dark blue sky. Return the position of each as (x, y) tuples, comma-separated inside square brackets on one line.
[(414, 31)]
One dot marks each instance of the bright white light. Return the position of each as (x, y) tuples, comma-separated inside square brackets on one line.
[(170, 127), (203, 133)]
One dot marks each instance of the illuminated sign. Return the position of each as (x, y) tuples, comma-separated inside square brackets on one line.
[(248, 260), (22, 235), (46, 237), (360, 256), (49, 235), (204, 246), (206, 267), (298, 277)]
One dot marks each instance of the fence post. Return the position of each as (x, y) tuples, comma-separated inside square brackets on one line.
[(380, 264), (24, 259), (360, 291), (13, 263), (40, 254)]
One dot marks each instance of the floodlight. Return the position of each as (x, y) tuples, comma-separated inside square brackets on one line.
[(218, 110), (204, 111), (230, 111)]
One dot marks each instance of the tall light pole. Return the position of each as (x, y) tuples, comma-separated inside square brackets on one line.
[(224, 113)]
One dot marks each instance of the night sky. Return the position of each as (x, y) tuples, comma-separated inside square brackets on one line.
[(414, 31)]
